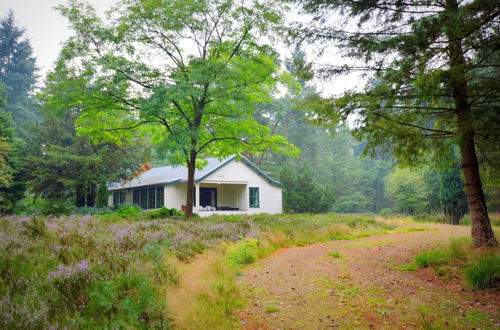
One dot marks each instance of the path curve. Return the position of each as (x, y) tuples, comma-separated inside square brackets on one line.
[(306, 288)]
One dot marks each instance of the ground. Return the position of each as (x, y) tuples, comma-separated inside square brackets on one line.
[(361, 284)]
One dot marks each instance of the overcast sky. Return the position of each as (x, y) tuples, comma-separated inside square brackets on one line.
[(47, 30)]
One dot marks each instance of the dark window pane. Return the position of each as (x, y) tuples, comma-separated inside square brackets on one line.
[(144, 198), (137, 197), (159, 197), (151, 198)]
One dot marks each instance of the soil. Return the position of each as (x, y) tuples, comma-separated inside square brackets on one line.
[(361, 284)]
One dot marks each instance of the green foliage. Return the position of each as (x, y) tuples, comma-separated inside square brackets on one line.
[(405, 188), (484, 273), (441, 256), (192, 102), (125, 211), (244, 253), (302, 194), (334, 255), (64, 168), (165, 212), (17, 73)]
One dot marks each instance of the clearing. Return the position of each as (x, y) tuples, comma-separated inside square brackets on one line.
[(360, 284)]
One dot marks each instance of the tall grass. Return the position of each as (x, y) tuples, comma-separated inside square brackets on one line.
[(479, 268)]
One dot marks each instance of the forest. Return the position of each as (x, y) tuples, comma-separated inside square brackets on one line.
[(176, 82)]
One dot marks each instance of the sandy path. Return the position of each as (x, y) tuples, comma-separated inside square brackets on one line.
[(306, 288)]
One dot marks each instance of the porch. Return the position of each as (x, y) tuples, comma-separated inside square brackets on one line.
[(220, 198)]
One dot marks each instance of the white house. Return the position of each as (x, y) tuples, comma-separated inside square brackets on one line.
[(231, 186)]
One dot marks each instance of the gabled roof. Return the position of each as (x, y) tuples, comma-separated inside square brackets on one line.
[(174, 174)]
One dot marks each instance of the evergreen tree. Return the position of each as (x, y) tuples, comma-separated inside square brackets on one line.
[(302, 194), (67, 170), (11, 165), (451, 194), (17, 73)]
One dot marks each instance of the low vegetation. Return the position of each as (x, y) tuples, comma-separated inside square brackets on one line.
[(111, 271), (478, 269)]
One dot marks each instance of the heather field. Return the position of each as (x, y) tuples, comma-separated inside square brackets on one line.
[(116, 272)]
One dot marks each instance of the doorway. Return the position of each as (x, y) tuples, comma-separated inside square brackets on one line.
[(208, 196)]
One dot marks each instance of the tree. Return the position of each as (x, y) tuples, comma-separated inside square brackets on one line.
[(430, 66), (68, 170), (12, 186), (17, 72), (302, 194), (451, 194), (186, 72), (407, 190)]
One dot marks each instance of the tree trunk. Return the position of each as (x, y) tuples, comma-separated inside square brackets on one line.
[(80, 196), (190, 184), (482, 234), (91, 195)]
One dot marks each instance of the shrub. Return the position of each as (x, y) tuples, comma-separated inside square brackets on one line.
[(484, 273), (165, 212), (244, 253), (124, 211)]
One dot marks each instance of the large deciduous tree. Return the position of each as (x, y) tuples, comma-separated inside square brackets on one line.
[(187, 72), (432, 69)]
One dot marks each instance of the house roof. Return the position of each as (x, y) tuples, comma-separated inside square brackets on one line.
[(174, 174)]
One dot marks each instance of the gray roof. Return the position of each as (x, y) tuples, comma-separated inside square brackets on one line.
[(169, 174), (173, 174)]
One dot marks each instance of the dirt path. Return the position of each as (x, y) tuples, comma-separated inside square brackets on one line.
[(308, 288)]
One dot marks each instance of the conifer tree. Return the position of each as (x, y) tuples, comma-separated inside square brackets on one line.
[(431, 73)]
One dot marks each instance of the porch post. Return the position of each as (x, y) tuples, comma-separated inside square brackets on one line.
[(197, 194)]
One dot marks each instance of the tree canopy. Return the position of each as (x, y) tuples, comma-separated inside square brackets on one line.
[(188, 73)]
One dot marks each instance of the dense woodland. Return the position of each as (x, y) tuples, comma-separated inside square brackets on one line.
[(103, 111)]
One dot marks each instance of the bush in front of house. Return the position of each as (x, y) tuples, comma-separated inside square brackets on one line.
[(165, 212)]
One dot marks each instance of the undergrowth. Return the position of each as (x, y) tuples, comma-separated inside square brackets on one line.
[(117, 270), (480, 269)]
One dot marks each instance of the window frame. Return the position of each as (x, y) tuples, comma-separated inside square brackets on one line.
[(149, 197), (254, 193)]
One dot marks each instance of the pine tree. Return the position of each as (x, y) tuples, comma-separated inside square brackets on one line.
[(430, 66)]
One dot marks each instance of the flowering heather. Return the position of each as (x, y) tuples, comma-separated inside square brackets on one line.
[(67, 272)]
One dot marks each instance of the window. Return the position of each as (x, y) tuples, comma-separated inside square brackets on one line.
[(137, 197), (254, 196), (149, 198), (159, 197), (144, 198), (118, 197)]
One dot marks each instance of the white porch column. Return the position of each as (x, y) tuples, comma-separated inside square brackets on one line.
[(197, 194)]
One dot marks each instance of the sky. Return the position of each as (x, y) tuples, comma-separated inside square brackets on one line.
[(45, 27), (47, 31)]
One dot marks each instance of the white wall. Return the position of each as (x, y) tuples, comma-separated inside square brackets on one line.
[(238, 172), (239, 177)]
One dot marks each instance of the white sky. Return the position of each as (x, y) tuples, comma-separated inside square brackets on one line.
[(47, 30)]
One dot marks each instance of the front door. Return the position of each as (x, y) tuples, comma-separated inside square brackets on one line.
[(208, 196)]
